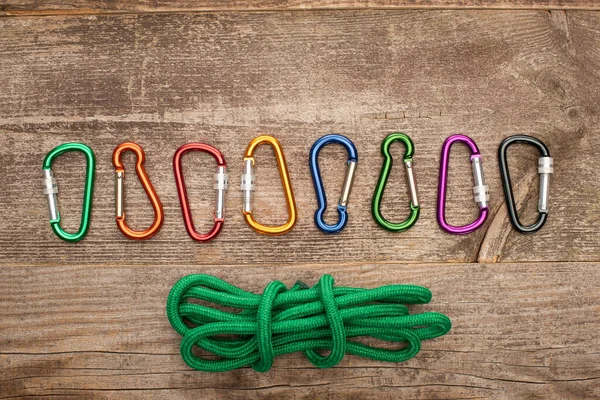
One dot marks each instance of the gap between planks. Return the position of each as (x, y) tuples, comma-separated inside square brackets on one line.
[(412, 264), (6, 12)]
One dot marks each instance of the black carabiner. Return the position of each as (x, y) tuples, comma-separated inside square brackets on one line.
[(545, 168)]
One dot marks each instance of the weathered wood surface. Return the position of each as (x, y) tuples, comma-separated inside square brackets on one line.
[(88, 319), (49, 7), (519, 331), (164, 80)]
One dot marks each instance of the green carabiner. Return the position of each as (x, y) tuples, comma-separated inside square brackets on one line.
[(51, 190), (383, 178)]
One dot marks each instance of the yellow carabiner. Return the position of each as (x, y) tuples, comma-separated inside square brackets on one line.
[(247, 187)]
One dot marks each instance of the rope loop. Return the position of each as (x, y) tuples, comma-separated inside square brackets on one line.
[(263, 328), (336, 324), (310, 320)]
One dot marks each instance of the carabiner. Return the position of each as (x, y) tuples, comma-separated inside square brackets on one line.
[(318, 183), (247, 187), (143, 177), (220, 186), (383, 178), (545, 168), (480, 189), (51, 190)]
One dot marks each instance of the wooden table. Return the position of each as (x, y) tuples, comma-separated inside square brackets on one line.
[(87, 320)]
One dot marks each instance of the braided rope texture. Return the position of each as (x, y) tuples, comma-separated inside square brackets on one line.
[(312, 320)]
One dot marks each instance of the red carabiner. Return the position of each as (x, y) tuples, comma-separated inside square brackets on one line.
[(220, 186)]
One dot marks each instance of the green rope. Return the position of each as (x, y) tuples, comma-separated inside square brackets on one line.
[(281, 321)]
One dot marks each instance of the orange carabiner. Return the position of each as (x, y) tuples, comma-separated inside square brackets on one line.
[(247, 187), (143, 176)]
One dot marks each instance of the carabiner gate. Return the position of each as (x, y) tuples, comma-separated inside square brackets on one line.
[(148, 188), (221, 179), (480, 189), (545, 168), (247, 186), (383, 178), (51, 190), (342, 207)]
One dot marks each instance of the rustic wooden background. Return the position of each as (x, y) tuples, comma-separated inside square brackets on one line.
[(87, 320)]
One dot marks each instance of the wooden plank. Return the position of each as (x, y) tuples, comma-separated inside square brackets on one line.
[(166, 79), (87, 320), (525, 330), (53, 7)]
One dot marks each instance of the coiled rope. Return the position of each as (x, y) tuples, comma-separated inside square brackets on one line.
[(281, 321)]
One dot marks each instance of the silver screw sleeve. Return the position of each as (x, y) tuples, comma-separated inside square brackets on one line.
[(221, 183), (247, 185), (481, 193), (545, 168), (51, 192)]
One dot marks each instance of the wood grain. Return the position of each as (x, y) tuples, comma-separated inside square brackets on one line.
[(54, 7), (165, 80), (103, 333), (87, 320)]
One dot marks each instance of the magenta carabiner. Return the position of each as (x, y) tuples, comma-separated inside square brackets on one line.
[(480, 189)]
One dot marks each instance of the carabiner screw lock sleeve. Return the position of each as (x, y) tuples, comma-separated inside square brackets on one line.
[(346, 187), (51, 190), (220, 185), (247, 186), (383, 178), (545, 169), (148, 188), (480, 189)]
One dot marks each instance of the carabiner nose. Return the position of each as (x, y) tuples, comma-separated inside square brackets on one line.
[(383, 178), (148, 188), (480, 189), (51, 190), (247, 186), (342, 207), (545, 169), (220, 186)]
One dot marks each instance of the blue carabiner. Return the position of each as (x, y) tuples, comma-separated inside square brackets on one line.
[(316, 176)]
